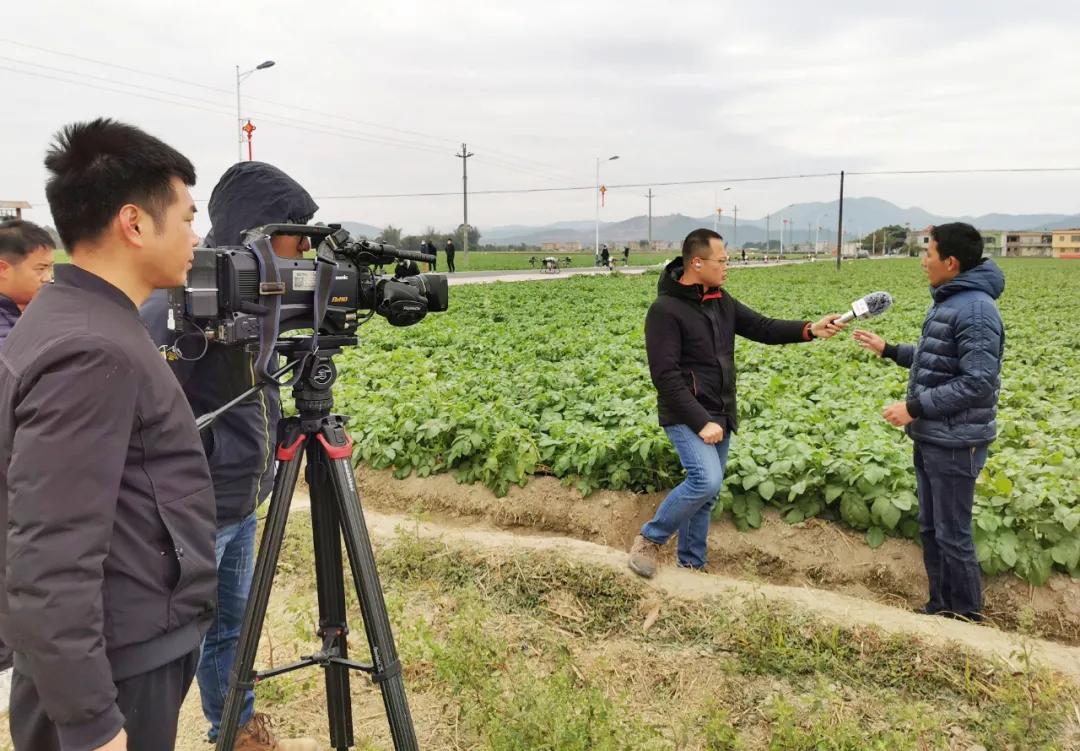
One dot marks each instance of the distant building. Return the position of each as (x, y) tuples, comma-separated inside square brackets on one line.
[(1066, 243), (993, 240), (1030, 244), (13, 209), (564, 247), (920, 238)]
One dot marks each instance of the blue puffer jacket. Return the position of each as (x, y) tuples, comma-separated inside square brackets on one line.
[(956, 366)]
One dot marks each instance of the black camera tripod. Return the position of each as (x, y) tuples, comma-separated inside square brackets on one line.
[(335, 514)]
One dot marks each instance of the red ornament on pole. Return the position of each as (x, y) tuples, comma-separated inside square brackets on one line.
[(603, 190), (249, 129)]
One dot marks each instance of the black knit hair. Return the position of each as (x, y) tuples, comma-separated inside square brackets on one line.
[(696, 244), (960, 241), (98, 167)]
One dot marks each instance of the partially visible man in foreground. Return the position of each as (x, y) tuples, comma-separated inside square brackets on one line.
[(106, 504), (240, 443)]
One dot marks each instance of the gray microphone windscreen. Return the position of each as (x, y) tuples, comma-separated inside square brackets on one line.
[(869, 306)]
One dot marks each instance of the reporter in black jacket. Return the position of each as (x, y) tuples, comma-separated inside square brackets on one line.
[(108, 579), (690, 340)]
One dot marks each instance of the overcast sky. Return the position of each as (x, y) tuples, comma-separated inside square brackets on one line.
[(376, 98)]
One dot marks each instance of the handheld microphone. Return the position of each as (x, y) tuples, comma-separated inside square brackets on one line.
[(872, 305)]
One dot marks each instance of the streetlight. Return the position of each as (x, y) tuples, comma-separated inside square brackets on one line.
[(596, 250), (817, 232), (239, 120)]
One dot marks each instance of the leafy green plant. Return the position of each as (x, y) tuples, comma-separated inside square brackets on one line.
[(526, 379)]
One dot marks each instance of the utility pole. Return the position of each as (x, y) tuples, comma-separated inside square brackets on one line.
[(768, 235), (464, 157), (735, 229), (840, 224), (650, 197)]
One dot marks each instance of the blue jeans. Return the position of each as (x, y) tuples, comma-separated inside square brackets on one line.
[(236, 567), (946, 483), (687, 509)]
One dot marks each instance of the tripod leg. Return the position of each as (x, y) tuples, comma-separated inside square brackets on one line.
[(330, 581), (242, 678), (337, 447)]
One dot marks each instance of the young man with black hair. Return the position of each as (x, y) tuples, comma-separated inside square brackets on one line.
[(690, 340), (951, 408), (106, 502), (26, 263), (240, 444)]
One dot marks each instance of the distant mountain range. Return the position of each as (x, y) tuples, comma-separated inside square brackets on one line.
[(861, 215)]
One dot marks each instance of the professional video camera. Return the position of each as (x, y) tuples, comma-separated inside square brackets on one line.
[(246, 294)]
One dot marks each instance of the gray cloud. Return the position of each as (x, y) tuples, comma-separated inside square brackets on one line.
[(687, 90)]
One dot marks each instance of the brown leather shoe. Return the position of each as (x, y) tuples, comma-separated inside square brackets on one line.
[(644, 557), (256, 735)]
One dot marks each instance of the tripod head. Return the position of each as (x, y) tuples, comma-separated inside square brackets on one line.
[(314, 383), (311, 384)]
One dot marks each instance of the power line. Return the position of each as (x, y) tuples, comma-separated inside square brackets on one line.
[(507, 161), (106, 88), (968, 171), (214, 107), (220, 108)]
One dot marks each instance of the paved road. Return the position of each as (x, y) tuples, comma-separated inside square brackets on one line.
[(530, 275)]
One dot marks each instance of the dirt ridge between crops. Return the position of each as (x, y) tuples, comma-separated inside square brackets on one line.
[(686, 585), (828, 605)]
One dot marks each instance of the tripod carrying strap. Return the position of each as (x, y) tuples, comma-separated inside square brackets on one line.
[(393, 670)]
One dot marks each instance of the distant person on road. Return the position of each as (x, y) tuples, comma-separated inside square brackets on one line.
[(605, 257), (951, 408), (690, 334), (427, 246), (744, 256), (450, 251), (626, 255)]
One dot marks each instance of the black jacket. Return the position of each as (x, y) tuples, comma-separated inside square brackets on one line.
[(239, 444), (106, 501), (690, 341)]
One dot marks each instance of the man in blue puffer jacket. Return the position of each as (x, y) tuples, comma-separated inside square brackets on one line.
[(951, 408)]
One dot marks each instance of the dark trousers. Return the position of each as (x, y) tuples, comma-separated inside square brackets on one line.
[(946, 483), (149, 702), (450, 261)]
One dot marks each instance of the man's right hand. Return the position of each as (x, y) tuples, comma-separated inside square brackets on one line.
[(712, 433), (119, 743), (870, 341)]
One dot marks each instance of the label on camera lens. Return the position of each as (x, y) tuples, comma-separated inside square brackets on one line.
[(303, 281)]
